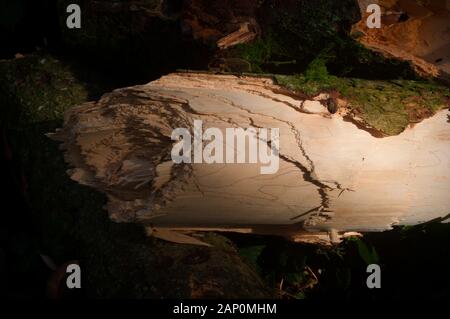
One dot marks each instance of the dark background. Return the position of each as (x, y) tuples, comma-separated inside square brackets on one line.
[(44, 213)]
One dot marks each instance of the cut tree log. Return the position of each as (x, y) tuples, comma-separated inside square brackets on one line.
[(332, 176)]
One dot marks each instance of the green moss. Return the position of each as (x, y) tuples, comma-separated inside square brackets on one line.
[(388, 106), (35, 91), (218, 241), (263, 52), (317, 70), (38, 88), (294, 33)]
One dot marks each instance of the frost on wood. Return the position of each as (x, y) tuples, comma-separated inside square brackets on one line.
[(332, 174)]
